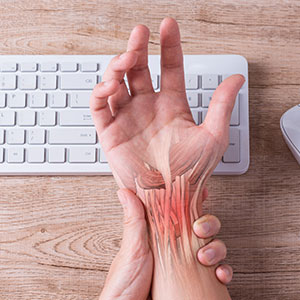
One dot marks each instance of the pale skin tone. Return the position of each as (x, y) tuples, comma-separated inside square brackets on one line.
[(130, 274), (128, 124)]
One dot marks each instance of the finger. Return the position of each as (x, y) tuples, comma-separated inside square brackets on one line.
[(172, 72), (99, 106), (224, 273), (207, 226), (204, 194), (212, 253), (116, 70), (119, 99), (220, 108), (119, 65), (139, 78)]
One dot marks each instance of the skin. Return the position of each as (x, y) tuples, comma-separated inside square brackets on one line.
[(133, 129), (131, 272)]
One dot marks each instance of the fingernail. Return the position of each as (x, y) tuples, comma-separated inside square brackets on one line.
[(210, 255), (226, 271), (203, 227)]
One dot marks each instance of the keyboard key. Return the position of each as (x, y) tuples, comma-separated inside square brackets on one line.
[(57, 155), (195, 114), (2, 136), (48, 67), (15, 136), (102, 156), (26, 118), (81, 99), (210, 81), (8, 67), (37, 100), (58, 100), (36, 155), (191, 81), (36, 136), (48, 82), (206, 98), (78, 81), (2, 100), (17, 100), (68, 67), (64, 134), (7, 118), (155, 81), (235, 116), (193, 99), (15, 155), (232, 154), (126, 83), (69, 136), (76, 118), (28, 67), (224, 76), (47, 118), (82, 155), (204, 113), (27, 82), (8, 82), (89, 67)]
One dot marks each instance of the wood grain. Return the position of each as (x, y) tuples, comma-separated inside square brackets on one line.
[(58, 235)]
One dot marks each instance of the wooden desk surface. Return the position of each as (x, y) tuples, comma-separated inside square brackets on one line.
[(58, 235)]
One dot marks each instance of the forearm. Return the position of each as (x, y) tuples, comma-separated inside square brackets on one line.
[(177, 274)]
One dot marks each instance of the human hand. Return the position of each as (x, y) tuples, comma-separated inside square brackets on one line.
[(155, 149), (142, 132), (131, 272)]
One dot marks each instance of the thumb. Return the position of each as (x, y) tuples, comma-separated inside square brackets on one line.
[(219, 112), (135, 226)]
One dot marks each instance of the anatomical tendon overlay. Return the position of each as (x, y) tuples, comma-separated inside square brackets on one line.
[(172, 198), (168, 169)]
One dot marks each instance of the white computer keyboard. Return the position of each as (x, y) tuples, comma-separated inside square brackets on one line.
[(46, 126)]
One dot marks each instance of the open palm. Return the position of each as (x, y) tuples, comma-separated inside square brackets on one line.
[(149, 137)]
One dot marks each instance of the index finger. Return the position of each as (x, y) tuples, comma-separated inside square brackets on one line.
[(138, 76)]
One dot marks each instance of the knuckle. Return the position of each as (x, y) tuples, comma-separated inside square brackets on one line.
[(113, 62)]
